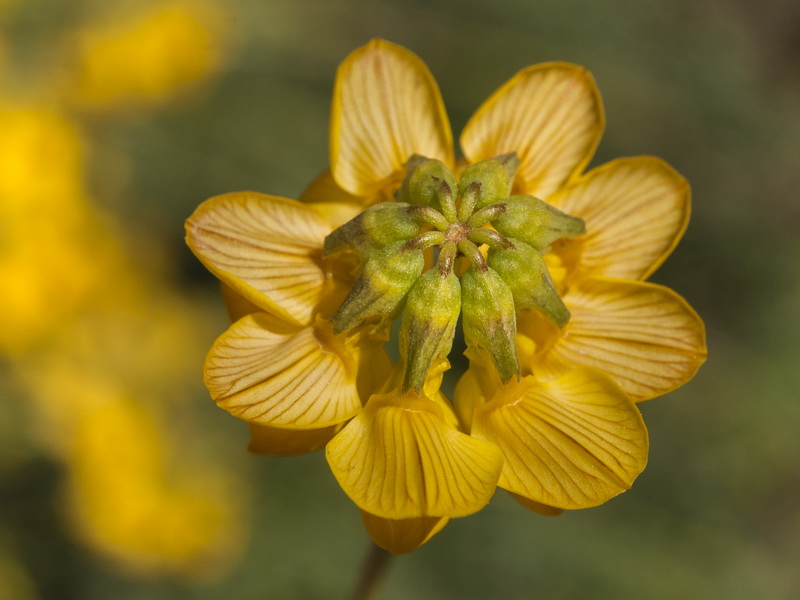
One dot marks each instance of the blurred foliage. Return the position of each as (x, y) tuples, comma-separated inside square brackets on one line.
[(118, 477)]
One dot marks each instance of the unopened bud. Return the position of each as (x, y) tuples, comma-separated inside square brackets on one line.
[(427, 181), (535, 222), (525, 273), (487, 307), (429, 323), (377, 226), (492, 179), (380, 288)]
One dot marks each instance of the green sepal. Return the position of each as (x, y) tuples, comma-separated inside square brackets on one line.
[(488, 316), (535, 222), (429, 323), (375, 227), (427, 179), (525, 273), (379, 290), (491, 180)]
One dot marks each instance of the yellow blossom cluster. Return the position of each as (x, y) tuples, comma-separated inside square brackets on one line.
[(565, 432), (145, 58), (90, 338)]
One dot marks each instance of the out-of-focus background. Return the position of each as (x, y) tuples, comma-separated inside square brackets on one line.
[(119, 478)]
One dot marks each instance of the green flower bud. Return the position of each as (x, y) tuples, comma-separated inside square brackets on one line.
[(510, 163), (429, 323), (380, 288), (377, 226), (487, 309), (535, 222), (429, 183), (489, 181), (525, 273)]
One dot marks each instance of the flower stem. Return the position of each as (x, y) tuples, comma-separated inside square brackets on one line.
[(372, 574)]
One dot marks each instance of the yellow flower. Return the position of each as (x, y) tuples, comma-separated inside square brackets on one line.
[(147, 57), (565, 432), (103, 406), (126, 504), (15, 582), (51, 245)]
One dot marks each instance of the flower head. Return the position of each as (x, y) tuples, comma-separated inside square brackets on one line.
[(544, 265)]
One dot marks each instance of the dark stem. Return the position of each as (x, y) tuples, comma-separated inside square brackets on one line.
[(372, 574)]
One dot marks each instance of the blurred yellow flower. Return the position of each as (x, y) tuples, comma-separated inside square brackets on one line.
[(97, 363), (7, 5), (35, 142), (126, 504), (52, 249), (565, 432), (146, 57), (3, 55), (122, 340), (135, 496), (15, 582)]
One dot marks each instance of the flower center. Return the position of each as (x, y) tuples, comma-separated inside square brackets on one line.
[(501, 239), (457, 232)]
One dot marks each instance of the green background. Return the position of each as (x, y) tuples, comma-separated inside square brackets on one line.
[(711, 87)]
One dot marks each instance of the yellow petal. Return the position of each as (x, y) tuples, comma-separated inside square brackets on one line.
[(394, 379), (335, 205), (571, 442), (470, 393), (325, 189), (268, 372), (386, 107), (635, 210), (400, 459), (374, 365), (273, 441), (479, 383), (236, 304), (403, 535), (431, 389), (337, 213), (537, 507), (551, 115), (267, 249), (645, 336)]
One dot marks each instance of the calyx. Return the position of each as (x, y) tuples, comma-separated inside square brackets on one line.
[(485, 247)]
